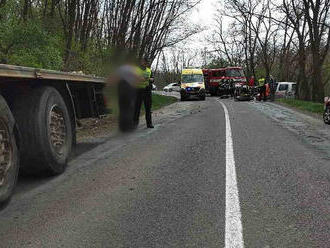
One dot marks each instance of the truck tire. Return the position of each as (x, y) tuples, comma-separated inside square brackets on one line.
[(9, 158), (46, 131)]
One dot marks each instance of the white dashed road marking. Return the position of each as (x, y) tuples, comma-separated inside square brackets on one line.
[(234, 230)]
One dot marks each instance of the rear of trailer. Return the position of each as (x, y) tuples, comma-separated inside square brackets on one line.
[(38, 114)]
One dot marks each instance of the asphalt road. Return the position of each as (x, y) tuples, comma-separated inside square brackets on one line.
[(166, 187)]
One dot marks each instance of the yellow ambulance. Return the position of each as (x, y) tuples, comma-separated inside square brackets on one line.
[(192, 84)]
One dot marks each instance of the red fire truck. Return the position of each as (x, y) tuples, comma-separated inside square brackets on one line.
[(213, 77)]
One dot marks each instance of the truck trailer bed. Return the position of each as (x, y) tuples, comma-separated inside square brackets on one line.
[(20, 72)]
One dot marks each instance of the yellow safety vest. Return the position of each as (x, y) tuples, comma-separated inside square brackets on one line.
[(261, 82), (146, 75)]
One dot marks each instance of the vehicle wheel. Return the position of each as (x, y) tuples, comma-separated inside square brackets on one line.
[(213, 92), (326, 116), (46, 131), (9, 160)]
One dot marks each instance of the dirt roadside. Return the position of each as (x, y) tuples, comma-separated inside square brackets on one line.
[(98, 128), (95, 128)]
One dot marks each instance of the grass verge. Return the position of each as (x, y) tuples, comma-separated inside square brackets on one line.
[(312, 107), (159, 101)]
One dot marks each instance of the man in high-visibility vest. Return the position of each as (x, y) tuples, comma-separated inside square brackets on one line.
[(262, 89), (144, 94)]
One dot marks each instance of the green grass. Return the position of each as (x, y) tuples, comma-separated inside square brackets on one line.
[(312, 107), (159, 101)]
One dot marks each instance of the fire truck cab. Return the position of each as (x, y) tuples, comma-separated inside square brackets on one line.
[(213, 77)]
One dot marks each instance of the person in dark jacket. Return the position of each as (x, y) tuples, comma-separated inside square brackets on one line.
[(125, 79), (272, 86)]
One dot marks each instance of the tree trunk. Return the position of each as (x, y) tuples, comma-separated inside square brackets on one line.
[(303, 91), (26, 7), (70, 28), (316, 80)]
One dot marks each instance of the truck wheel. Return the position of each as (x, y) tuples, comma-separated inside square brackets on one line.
[(9, 157), (46, 131)]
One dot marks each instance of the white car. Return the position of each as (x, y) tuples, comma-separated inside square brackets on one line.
[(285, 89), (172, 87)]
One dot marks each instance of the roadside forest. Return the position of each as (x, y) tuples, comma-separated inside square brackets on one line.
[(288, 39), (87, 35)]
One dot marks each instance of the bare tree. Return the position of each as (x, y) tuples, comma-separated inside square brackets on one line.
[(317, 16), (286, 60), (295, 14), (146, 27), (228, 45), (266, 34)]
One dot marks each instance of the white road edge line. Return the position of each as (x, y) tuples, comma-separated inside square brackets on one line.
[(234, 230)]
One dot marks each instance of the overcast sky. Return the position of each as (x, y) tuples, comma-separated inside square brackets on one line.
[(204, 15)]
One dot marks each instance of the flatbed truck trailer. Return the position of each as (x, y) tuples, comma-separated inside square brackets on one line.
[(39, 110)]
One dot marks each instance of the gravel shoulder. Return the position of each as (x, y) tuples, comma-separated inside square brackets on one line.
[(314, 115), (310, 129)]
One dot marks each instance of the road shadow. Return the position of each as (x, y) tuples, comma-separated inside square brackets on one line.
[(84, 147), (192, 100), (27, 183)]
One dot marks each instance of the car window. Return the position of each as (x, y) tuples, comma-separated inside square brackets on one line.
[(192, 78), (283, 87), (234, 73), (218, 73)]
